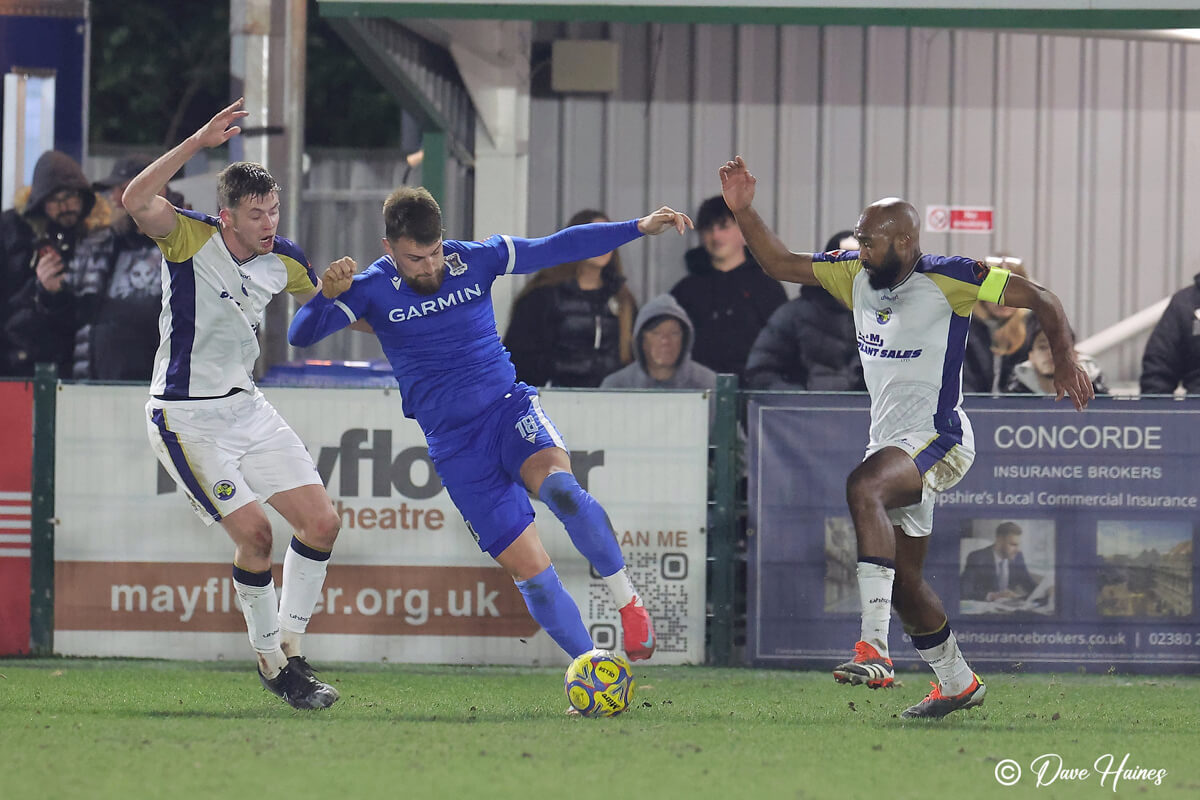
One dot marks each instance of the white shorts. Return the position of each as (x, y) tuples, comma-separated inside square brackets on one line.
[(942, 462), (228, 451)]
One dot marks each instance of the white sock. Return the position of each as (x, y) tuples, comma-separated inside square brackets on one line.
[(875, 592), (303, 579), (949, 665), (621, 588), (261, 611)]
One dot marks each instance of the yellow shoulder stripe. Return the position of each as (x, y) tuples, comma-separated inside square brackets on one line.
[(185, 239)]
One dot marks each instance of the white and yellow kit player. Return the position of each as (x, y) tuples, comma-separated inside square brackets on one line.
[(911, 312)]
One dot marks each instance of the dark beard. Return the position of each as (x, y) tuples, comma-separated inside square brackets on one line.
[(884, 276), (883, 279), (427, 287)]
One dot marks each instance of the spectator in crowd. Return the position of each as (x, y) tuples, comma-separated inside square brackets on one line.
[(726, 295), (117, 290), (662, 350), (998, 571), (809, 343), (998, 339), (1035, 375), (36, 246), (572, 324), (1172, 353)]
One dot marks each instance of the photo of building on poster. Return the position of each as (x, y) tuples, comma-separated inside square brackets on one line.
[(1006, 566), (1145, 568)]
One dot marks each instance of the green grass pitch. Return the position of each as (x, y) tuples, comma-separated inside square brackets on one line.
[(139, 729)]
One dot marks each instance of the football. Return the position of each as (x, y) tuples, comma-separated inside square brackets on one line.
[(599, 684)]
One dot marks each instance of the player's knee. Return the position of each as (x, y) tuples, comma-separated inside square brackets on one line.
[(256, 540), (323, 530), (860, 489), (562, 494)]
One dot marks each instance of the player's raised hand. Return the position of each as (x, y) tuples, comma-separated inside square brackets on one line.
[(221, 128), (737, 184), (664, 219), (338, 277), (1072, 380)]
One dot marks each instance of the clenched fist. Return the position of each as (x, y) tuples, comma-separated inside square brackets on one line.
[(338, 277)]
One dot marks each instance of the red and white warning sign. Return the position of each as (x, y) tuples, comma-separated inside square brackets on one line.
[(958, 219)]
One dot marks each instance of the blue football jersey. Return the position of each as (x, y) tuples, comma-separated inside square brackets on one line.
[(444, 348)]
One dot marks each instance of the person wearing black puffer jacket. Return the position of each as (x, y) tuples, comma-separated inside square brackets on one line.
[(726, 294), (36, 247), (573, 324), (1172, 353), (809, 343)]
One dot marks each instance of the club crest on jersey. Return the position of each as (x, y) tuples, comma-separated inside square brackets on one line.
[(455, 264), (224, 490), (883, 316)]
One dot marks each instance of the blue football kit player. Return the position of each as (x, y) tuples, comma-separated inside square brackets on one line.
[(911, 314), (429, 303)]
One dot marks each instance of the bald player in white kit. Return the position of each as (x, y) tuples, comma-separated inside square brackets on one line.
[(911, 314)]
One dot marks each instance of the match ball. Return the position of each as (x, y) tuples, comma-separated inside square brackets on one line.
[(599, 684)]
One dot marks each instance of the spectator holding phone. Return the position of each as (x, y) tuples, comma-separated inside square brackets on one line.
[(37, 243)]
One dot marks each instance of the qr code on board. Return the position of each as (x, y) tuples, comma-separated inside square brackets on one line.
[(661, 581)]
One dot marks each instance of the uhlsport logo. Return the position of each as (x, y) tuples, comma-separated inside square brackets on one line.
[(224, 490)]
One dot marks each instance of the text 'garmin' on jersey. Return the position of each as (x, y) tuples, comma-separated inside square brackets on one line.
[(433, 306)]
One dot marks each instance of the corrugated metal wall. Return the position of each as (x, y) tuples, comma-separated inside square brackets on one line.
[(1087, 147)]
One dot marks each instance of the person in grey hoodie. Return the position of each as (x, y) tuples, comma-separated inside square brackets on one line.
[(662, 349)]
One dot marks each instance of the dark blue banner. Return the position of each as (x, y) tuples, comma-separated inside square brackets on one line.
[(1097, 512)]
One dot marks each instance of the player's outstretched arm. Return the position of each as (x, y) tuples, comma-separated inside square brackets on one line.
[(737, 186), (587, 241), (153, 214), (324, 314), (1070, 379)]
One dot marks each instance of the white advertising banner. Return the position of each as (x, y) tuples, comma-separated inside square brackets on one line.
[(138, 574)]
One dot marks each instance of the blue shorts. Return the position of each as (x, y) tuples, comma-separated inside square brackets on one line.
[(480, 466)]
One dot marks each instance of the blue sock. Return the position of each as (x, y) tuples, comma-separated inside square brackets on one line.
[(554, 609), (586, 521)]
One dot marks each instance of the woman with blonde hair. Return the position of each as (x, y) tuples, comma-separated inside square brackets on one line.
[(573, 324)]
